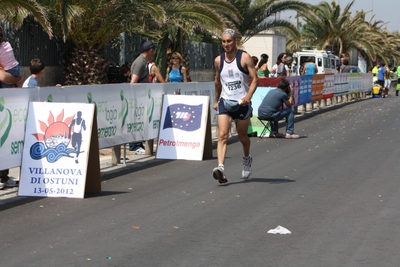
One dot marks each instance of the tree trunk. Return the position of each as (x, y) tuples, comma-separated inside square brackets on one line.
[(85, 66)]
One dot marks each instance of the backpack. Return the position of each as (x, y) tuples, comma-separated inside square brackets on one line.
[(281, 70), (301, 69), (151, 77)]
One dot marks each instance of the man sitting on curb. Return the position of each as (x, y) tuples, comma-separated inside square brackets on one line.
[(271, 107)]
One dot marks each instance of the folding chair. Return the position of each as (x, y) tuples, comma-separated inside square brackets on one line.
[(267, 123), (271, 127)]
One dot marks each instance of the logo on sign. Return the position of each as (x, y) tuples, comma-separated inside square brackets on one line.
[(57, 134), (183, 117)]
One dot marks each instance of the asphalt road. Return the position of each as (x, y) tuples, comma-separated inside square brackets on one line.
[(337, 190)]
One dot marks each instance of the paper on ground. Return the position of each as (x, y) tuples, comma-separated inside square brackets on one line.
[(279, 230)]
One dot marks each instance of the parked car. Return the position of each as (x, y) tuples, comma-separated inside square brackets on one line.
[(355, 69)]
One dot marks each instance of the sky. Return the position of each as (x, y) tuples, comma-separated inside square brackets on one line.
[(384, 10)]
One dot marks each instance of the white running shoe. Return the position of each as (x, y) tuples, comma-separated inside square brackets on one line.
[(2, 185), (218, 174), (246, 167)]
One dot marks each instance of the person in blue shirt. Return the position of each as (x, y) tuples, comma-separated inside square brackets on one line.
[(310, 68), (37, 70), (381, 78), (176, 73), (270, 107)]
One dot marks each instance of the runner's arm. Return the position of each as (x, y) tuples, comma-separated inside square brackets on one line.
[(248, 63), (217, 82)]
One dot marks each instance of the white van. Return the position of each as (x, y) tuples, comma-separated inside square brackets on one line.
[(326, 62)]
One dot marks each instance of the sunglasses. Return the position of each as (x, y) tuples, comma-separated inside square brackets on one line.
[(175, 58)]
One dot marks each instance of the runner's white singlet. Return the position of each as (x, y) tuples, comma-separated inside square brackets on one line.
[(235, 82)]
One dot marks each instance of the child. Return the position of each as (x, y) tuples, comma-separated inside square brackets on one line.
[(7, 60), (37, 69)]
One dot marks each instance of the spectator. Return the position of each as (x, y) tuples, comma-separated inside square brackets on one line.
[(139, 68), (5, 180), (262, 70), (270, 107), (176, 72), (124, 75), (155, 75), (233, 93), (255, 60), (398, 81), (9, 75), (7, 60), (280, 68), (310, 68), (375, 69), (345, 68), (381, 78), (36, 67), (340, 64), (388, 82), (140, 74)]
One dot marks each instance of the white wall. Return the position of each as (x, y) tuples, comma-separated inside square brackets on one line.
[(270, 43)]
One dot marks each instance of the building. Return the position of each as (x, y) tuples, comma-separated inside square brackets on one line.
[(271, 43)]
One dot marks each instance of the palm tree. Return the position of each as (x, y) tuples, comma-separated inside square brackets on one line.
[(329, 27), (326, 26), (262, 15), (15, 11), (86, 26), (384, 44), (184, 16)]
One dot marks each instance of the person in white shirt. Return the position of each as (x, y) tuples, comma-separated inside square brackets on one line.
[(280, 68), (233, 93)]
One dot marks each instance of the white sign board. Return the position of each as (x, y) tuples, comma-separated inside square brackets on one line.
[(183, 127), (56, 150)]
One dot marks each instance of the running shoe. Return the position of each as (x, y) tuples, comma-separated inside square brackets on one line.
[(246, 167), (292, 136), (218, 174)]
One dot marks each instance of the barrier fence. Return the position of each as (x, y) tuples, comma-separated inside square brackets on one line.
[(132, 112)]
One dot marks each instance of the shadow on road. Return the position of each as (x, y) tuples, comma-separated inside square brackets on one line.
[(105, 193), (261, 180)]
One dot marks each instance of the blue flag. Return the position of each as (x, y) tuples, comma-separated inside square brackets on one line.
[(183, 117)]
